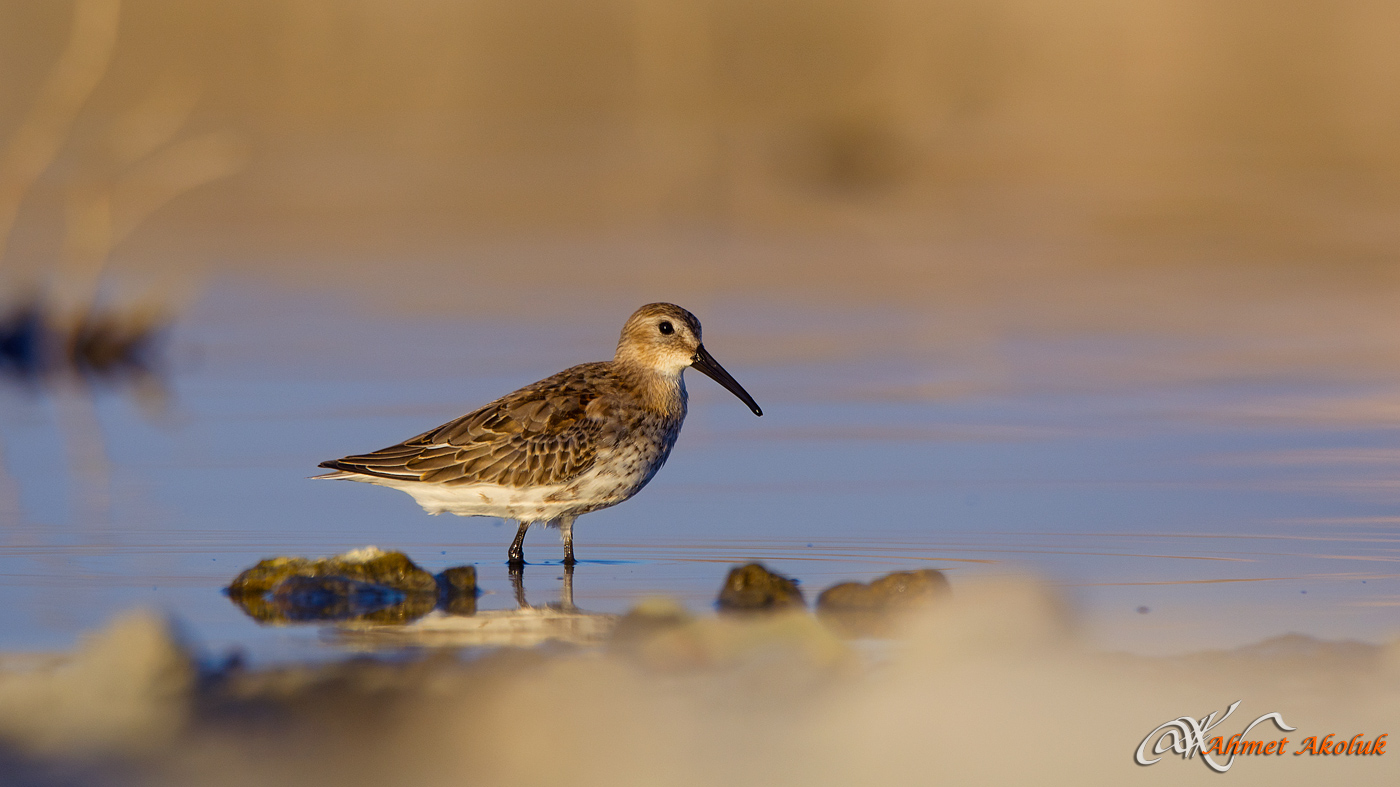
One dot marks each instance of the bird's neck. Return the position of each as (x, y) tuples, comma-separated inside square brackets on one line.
[(660, 392)]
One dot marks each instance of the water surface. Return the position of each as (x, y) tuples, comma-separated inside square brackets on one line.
[(1200, 511)]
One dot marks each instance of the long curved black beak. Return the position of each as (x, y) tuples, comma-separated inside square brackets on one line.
[(707, 365)]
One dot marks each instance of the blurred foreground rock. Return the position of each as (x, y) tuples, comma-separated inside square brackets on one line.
[(661, 635), (647, 618), (367, 585), (124, 689), (678, 698), (754, 588)]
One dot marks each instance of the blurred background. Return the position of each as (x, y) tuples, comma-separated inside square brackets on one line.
[(929, 139), (992, 267)]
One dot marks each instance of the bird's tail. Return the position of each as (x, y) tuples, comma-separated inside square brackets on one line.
[(338, 470)]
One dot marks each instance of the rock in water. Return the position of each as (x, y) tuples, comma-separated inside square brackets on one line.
[(892, 591), (457, 590), (371, 564), (753, 587), (861, 609), (365, 584)]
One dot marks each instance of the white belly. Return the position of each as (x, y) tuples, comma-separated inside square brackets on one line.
[(620, 472), (593, 490)]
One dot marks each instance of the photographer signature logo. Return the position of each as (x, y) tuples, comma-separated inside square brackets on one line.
[(1188, 737)]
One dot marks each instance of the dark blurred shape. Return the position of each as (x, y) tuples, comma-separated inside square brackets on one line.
[(21, 339), (851, 157), (858, 609), (365, 585), (754, 588), (112, 347)]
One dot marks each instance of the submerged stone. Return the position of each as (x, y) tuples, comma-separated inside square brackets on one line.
[(331, 598), (753, 587), (866, 609), (457, 590)]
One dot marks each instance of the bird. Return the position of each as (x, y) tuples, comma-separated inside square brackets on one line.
[(579, 441)]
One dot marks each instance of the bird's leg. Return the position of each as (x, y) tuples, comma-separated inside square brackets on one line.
[(516, 555), (566, 531)]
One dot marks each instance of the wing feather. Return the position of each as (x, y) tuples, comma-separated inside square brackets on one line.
[(542, 434)]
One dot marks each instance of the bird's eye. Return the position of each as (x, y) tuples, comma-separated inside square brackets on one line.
[(665, 328)]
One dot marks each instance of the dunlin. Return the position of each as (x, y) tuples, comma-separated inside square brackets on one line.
[(587, 438)]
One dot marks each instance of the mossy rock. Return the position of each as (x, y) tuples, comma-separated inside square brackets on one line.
[(259, 579), (389, 569), (754, 588), (366, 585), (457, 590)]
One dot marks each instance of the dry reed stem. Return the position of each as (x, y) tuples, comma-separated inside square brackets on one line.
[(46, 128)]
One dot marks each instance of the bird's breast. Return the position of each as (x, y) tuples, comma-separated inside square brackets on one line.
[(640, 452)]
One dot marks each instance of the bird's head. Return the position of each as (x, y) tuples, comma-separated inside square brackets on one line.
[(665, 339)]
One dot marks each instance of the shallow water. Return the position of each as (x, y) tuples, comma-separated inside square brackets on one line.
[(1207, 510)]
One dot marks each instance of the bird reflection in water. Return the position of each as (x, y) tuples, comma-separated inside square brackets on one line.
[(525, 626), (566, 592)]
